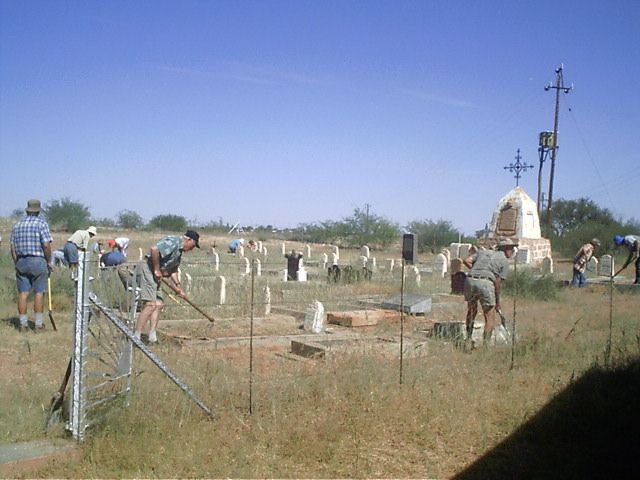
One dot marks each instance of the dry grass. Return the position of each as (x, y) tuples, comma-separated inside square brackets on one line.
[(345, 416)]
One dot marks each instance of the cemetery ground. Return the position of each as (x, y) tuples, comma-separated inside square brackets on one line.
[(562, 404)]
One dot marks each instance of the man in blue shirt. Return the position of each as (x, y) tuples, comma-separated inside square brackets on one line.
[(31, 253), (632, 243), (162, 261)]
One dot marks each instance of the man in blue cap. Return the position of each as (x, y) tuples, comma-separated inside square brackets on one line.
[(632, 242)]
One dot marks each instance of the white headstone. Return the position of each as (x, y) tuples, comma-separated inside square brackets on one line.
[(547, 265), (315, 317), (240, 251), (266, 295), (523, 256), (307, 250), (373, 262), (260, 246), (187, 283), (454, 248), (245, 267), (324, 260), (440, 265), (527, 222), (336, 251), (258, 267), (264, 252), (141, 253), (285, 275), (392, 264), (301, 274), (363, 261), (413, 274), (364, 251), (216, 261), (447, 253), (284, 248), (219, 291), (607, 265)]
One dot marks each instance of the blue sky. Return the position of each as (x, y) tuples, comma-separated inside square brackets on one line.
[(289, 112)]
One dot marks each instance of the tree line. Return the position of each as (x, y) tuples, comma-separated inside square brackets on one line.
[(574, 223)]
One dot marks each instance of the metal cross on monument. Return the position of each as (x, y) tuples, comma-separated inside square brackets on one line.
[(518, 167)]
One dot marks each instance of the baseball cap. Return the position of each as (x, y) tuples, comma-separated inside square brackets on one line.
[(618, 240), (33, 206), (595, 242), (112, 243), (193, 235)]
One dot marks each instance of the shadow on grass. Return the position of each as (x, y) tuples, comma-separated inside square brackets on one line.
[(589, 430)]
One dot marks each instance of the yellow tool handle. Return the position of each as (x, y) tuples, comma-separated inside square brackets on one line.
[(49, 291)]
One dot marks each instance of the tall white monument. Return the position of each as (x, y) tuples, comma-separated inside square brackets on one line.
[(516, 217)]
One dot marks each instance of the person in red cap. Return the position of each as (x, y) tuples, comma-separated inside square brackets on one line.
[(162, 261)]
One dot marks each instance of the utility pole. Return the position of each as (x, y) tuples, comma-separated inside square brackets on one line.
[(559, 86)]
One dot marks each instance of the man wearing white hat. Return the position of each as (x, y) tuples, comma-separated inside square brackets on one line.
[(79, 241)]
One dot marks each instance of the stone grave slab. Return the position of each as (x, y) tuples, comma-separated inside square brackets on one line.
[(356, 318), (412, 303)]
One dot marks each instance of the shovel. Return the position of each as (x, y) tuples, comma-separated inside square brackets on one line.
[(502, 330), (55, 408), (53, 323)]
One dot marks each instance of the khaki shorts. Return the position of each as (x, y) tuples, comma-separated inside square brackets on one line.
[(146, 282), (480, 289)]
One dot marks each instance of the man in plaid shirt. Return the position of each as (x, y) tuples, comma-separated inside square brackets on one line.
[(580, 262), (31, 252)]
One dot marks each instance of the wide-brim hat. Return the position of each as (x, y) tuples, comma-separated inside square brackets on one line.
[(92, 230), (595, 242), (33, 206), (505, 243)]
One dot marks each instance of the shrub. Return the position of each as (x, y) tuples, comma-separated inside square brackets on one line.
[(526, 284)]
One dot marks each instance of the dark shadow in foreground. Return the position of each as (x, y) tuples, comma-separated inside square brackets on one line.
[(589, 430)]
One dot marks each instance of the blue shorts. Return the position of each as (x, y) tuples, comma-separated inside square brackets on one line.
[(32, 273), (71, 253)]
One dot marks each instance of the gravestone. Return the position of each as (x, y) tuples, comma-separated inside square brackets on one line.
[(307, 249), (245, 267), (454, 248), (440, 265), (314, 317), (301, 274), (285, 275), (447, 253), (215, 260), (392, 264), (457, 282), (187, 283), (334, 258), (607, 265), (411, 303), (373, 263), (266, 299), (547, 265), (293, 264), (592, 265), (240, 251), (258, 267), (364, 251), (219, 290), (336, 250), (324, 261), (264, 252), (463, 251), (363, 261), (523, 256), (141, 253), (413, 275), (284, 248), (260, 246)]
